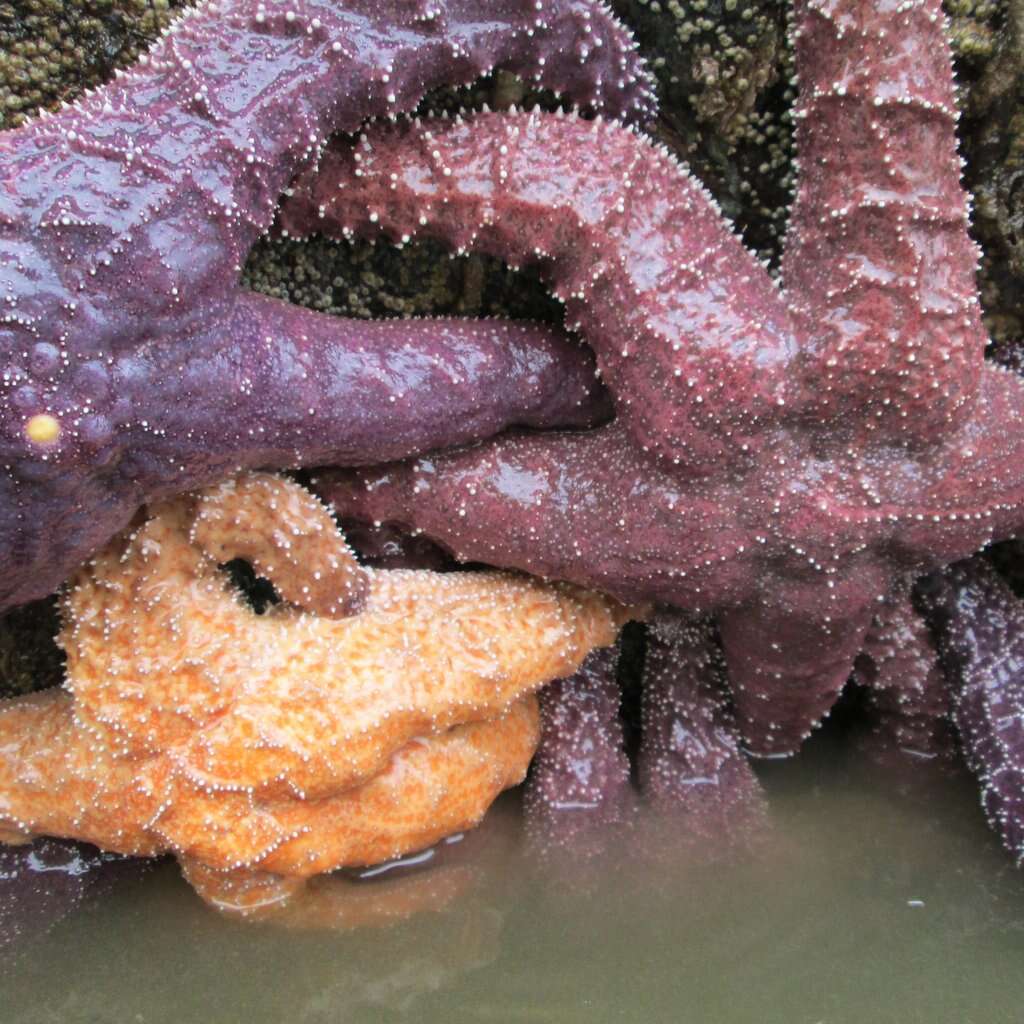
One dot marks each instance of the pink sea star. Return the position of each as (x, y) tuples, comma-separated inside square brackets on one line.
[(781, 458), (133, 366)]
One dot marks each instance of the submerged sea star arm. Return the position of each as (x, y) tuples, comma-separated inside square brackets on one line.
[(689, 763), (44, 881), (125, 219), (979, 623), (878, 265), (338, 904), (579, 782), (698, 348), (899, 666)]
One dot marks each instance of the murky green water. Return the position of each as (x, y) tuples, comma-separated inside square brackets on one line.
[(869, 905)]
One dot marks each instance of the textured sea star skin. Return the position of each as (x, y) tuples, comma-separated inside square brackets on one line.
[(579, 785), (780, 457), (284, 745), (979, 626), (132, 366), (689, 764)]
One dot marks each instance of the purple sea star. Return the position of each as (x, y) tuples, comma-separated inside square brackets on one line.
[(979, 625), (133, 366), (689, 764), (579, 784), (781, 458), (44, 881)]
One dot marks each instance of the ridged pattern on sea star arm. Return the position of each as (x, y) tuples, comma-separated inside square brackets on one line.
[(878, 265), (689, 331), (431, 788)]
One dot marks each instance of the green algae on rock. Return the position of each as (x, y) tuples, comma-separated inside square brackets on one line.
[(53, 50)]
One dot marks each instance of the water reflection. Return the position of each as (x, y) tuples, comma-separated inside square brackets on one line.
[(870, 901)]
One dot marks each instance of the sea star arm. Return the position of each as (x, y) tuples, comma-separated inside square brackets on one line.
[(878, 265), (55, 778), (690, 333), (789, 653), (690, 764), (579, 784), (979, 624), (287, 536), (899, 667), (270, 383), (582, 506), (44, 881), (319, 389)]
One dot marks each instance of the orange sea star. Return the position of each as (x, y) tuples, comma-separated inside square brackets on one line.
[(263, 750)]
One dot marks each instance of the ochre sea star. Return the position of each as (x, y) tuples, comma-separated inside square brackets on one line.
[(781, 458)]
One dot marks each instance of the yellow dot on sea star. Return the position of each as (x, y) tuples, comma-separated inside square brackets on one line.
[(42, 428)]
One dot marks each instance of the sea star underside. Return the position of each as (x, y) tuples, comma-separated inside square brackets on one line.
[(781, 457), (132, 365)]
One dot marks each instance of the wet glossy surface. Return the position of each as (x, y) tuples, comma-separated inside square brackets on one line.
[(871, 903)]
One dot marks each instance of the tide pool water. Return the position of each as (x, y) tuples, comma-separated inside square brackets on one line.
[(874, 900)]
